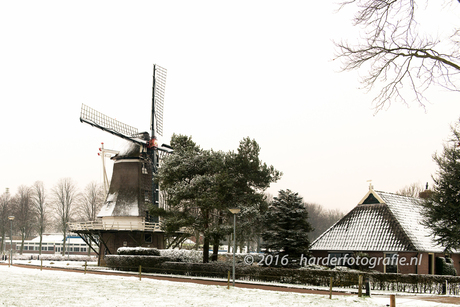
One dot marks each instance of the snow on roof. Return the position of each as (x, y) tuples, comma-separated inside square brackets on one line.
[(380, 222), (116, 206), (57, 238), (107, 208), (407, 211)]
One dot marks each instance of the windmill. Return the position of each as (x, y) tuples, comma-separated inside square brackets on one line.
[(132, 185)]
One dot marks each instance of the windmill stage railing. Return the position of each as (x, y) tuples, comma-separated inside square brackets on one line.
[(117, 226)]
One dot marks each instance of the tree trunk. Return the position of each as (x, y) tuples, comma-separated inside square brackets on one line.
[(215, 250), (63, 243), (206, 250), (40, 246), (22, 242), (3, 242)]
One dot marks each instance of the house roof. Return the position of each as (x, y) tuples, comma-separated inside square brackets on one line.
[(380, 222)]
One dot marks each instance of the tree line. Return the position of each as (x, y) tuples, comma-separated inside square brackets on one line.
[(37, 210)]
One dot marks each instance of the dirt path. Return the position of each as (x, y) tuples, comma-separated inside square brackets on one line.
[(437, 299)]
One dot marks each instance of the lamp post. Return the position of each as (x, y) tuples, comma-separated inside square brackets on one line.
[(11, 218), (234, 211)]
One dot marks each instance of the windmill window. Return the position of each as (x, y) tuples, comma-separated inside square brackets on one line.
[(148, 238)]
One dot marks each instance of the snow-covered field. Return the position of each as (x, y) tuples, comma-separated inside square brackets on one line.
[(32, 287)]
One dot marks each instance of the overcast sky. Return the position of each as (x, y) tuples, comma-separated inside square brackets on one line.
[(258, 69)]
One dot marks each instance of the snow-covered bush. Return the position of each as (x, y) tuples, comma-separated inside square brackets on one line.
[(145, 251), (132, 262), (314, 267), (182, 255), (247, 258)]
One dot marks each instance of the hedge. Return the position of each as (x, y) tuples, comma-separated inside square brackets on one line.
[(412, 283)]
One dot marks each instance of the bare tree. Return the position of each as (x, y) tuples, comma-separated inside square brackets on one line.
[(65, 198), (412, 190), (395, 50), (91, 201), (24, 212), (4, 213), (39, 202), (321, 219)]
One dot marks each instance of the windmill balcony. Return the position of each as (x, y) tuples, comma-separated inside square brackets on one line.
[(115, 225)]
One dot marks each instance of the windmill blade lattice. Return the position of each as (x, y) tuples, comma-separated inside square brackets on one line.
[(158, 96), (106, 123)]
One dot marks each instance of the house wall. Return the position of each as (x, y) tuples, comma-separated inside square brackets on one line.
[(456, 258), (114, 240), (414, 262)]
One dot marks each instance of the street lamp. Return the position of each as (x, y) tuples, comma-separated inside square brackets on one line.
[(234, 211), (11, 218)]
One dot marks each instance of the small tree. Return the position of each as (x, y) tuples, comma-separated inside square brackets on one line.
[(441, 209), (287, 226)]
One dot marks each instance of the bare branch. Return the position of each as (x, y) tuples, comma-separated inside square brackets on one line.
[(394, 53)]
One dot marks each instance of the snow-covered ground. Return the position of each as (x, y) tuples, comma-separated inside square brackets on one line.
[(32, 287)]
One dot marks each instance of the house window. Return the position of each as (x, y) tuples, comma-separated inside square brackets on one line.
[(148, 238), (340, 259), (390, 263)]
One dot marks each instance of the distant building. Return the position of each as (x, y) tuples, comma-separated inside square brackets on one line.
[(52, 244), (386, 227)]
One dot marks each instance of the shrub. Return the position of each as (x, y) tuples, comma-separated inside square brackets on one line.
[(132, 262), (445, 266)]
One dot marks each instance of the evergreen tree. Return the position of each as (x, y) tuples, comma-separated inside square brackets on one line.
[(287, 226), (442, 208), (201, 185)]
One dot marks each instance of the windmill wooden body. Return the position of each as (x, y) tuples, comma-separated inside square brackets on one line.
[(124, 219)]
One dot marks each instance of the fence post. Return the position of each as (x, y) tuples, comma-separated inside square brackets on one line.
[(140, 272), (360, 285), (86, 262), (392, 300), (228, 280), (367, 286), (330, 288)]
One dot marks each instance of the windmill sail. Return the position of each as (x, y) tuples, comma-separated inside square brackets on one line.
[(113, 126), (158, 95)]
